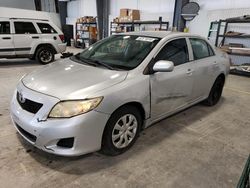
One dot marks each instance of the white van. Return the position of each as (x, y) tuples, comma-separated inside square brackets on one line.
[(30, 38)]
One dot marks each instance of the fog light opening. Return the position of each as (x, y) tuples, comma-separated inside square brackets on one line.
[(66, 142)]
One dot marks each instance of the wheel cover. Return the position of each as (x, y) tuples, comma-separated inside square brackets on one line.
[(46, 56), (124, 131)]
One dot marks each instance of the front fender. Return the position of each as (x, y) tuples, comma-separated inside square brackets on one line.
[(130, 90)]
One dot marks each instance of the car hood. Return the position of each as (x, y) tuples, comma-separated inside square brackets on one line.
[(67, 79)]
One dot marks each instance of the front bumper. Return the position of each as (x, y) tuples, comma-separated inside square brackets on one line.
[(86, 129)]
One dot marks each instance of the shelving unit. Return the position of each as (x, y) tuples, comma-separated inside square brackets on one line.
[(235, 52), (84, 32), (223, 36), (136, 26)]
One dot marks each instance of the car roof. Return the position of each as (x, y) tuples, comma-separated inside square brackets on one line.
[(161, 34), (25, 19)]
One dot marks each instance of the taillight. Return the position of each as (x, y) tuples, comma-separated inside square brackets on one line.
[(61, 37)]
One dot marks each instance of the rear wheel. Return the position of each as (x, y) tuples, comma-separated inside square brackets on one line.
[(215, 93), (45, 55), (122, 130)]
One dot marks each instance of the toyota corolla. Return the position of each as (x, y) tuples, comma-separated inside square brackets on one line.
[(102, 98)]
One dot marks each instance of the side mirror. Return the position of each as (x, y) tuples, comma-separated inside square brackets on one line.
[(163, 66)]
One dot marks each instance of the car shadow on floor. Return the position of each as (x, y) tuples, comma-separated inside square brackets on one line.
[(17, 63), (149, 138)]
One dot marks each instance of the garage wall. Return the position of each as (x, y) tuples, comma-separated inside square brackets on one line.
[(47, 5), (150, 10), (24, 4), (80, 8), (213, 10)]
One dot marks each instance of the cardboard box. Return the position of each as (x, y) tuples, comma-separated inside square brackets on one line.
[(124, 12), (134, 14), (129, 14)]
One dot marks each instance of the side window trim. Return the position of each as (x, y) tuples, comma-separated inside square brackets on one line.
[(210, 49), (170, 40)]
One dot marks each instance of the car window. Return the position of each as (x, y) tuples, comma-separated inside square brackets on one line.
[(175, 51), (24, 28), (201, 49), (4, 27), (46, 28)]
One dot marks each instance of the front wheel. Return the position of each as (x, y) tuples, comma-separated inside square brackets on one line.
[(122, 130), (45, 55), (215, 93)]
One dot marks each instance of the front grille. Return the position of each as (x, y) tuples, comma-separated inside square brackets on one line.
[(29, 136), (28, 105)]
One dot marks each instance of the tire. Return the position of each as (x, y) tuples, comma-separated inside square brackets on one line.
[(113, 143), (215, 92), (45, 55)]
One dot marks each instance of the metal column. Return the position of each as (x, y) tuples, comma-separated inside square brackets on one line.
[(178, 22), (103, 18), (62, 6)]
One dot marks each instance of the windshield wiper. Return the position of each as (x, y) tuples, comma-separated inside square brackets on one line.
[(96, 62), (83, 60)]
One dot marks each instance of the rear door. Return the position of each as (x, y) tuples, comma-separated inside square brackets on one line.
[(6, 39), (171, 90), (206, 67), (26, 36)]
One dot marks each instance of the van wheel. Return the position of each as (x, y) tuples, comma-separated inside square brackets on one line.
[(45, 55), (122, 130), (215, 93)]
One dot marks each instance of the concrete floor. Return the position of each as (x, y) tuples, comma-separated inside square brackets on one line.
[(199, 147)]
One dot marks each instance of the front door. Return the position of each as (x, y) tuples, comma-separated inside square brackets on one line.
[(25, 37), (6, 40), (171, 90)]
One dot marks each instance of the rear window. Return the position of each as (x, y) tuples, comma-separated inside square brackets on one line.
[(46, 28), (25, 28)]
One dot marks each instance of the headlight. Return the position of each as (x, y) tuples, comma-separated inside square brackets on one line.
[(67, 109)]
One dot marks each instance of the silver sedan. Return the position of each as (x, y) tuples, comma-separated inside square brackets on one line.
[(102, 98)]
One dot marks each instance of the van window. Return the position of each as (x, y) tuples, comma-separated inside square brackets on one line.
[(46, 28), (25, 28), (4, 27)]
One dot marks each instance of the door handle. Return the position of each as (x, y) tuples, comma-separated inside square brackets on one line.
[(35, 37), (6, 38), (216, 64), (189, 71)]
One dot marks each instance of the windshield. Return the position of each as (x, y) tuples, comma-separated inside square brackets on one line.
[(119, 51)]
